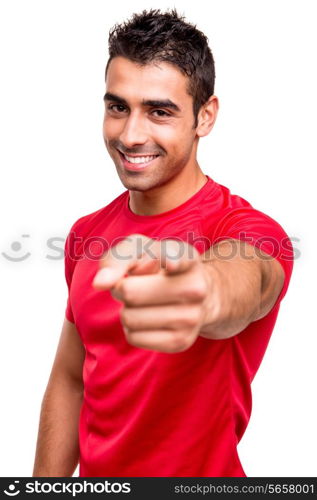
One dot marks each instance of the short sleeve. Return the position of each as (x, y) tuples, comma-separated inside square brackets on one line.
[(69, 269), (260, 230), (72, 253)]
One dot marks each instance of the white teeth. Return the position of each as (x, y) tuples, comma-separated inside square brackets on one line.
[(139, 159)]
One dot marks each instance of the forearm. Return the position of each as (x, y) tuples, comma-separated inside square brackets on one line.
[(57, 450), (238, 284)]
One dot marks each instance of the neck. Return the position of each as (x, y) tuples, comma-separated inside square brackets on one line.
[(168, 196)]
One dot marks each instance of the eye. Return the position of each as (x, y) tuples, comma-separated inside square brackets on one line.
[(118, 108), (161, 113)]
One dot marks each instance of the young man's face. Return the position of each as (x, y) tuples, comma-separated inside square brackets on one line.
[(149, 119)]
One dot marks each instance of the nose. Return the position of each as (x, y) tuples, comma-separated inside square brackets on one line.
[(134, 131)]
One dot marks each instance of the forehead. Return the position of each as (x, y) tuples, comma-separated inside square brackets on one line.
[(135, 82)]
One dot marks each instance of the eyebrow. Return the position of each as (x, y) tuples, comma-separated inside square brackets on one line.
[(155, 103)]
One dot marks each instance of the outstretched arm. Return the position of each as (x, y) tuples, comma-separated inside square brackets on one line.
[(244, 285), (171, 294)]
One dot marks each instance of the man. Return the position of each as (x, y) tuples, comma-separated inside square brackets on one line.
[(174, 286)]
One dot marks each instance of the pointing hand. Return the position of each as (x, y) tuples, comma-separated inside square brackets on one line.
[(164, 288)]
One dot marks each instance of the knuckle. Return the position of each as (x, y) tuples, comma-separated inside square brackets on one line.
[(193, 316), (126, 292), (201, 289), (177, 323), (125, 317), (178, 343), (196, 291), (188, 318)]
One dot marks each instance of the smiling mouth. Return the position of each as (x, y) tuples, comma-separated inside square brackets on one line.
[(138, 159)]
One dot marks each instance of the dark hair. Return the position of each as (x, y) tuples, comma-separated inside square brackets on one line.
[(156, 36)]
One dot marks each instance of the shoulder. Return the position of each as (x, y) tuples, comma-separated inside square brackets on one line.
[(232, 216), (224, 207)]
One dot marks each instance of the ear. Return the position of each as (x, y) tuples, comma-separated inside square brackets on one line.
[(207, 116)]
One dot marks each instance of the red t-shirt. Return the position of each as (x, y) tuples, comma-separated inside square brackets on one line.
[(147, 413)]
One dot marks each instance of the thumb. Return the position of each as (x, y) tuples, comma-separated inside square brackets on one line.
[(178, 256)]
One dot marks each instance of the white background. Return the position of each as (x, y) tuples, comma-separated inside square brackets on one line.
[(55, 169)]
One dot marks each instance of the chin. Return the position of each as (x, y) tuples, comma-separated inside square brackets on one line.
[(133, 182)]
